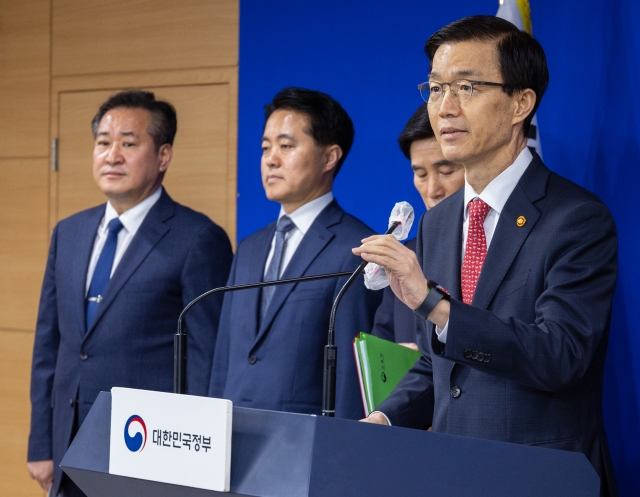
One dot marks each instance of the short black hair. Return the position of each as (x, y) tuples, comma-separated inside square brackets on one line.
[(164, 122), (330, 123), (522, 61), (418, 127)]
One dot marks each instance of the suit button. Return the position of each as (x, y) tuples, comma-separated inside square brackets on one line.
[(84, 356), (487, 358), (480, 357), (467, 354), (455, 392), (71, 402), (474, 354), (253, 359)]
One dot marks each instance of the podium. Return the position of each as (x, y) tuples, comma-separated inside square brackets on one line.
[(281, 454)]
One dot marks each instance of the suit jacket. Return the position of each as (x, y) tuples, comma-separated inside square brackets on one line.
[(278, 364), (524, 362), (176, 255), (394, 321)]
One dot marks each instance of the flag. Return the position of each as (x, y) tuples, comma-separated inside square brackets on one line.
[(519, 13)]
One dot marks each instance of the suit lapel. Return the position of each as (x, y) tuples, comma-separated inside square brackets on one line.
[(149, 234), (508, 236), (86, 236), (250, 270), (312, 244)]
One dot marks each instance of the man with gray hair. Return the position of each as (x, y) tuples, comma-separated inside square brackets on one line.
[(117, 277)]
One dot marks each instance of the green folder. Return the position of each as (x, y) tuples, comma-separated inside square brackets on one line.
[(381, 366)]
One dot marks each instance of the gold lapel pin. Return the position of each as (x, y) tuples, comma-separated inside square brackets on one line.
[(520, 221)]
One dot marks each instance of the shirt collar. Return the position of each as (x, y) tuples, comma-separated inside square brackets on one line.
[(497, 192), (132, 218), (304, 216)]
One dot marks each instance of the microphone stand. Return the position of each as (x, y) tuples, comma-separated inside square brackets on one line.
[(331, 351), (180, 338)]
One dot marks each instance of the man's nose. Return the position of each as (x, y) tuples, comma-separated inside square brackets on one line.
[(114, 156), (435, 190), (270, 158), (448, 103)]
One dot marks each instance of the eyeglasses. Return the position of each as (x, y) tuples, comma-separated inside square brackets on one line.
[(461, 89)]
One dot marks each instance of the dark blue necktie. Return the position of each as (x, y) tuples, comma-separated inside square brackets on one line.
[(285, 224), (102, 272)]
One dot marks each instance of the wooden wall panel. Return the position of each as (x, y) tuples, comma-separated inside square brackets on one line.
[(76, 188), (197, 176), (24, 239), (15, 412), (24, 78), (52, 47), (97, 36)]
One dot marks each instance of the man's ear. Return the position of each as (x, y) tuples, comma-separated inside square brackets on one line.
[(524, 102), (332, 155), (165, 154)]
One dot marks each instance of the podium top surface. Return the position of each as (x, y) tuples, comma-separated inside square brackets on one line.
[(284, 454)]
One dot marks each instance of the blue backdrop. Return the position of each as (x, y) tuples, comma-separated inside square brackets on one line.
[(369, 56)]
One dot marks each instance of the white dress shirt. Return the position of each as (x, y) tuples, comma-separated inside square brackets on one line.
[(131, 221), (495, 195), (303, 217)]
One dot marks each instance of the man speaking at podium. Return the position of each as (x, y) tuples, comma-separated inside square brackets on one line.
[(269, 352), (516, 351), (117, 277)]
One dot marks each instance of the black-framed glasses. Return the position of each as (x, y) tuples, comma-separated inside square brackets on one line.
[(461, 89)]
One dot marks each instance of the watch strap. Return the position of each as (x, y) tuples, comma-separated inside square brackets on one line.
[(431, 300)]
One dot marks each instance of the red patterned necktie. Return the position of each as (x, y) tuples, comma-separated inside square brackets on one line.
[(476, 249)]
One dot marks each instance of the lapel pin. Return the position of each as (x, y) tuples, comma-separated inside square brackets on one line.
[(520, 221)]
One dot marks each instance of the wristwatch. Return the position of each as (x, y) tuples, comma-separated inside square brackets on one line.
[(435, 295)]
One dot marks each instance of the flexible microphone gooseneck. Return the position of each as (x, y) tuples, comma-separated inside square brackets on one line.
[(330, 350), (180, 338)]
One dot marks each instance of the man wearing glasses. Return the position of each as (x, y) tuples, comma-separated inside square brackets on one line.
[(515, 346)]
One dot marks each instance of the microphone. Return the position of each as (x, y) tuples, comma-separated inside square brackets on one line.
[(400, 222), (180, 338), (375, 276)]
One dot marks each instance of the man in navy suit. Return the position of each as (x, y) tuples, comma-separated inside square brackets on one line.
[(269, 353), (435, 178), (117, 277), (516, 352)]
